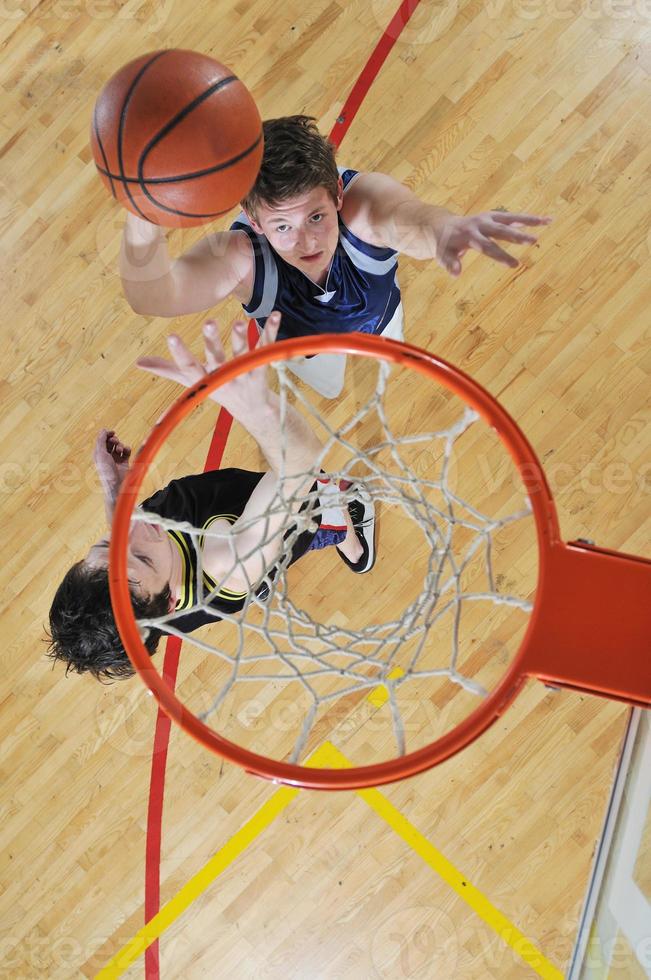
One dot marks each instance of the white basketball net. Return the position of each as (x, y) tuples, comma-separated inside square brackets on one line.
[(276, 642)]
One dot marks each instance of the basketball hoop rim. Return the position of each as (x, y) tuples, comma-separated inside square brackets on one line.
[(473, 394)]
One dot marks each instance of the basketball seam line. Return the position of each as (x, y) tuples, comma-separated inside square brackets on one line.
[(180, 116), (123, 117), (141, 180), (101, 147), (189, 176), (168, 180)]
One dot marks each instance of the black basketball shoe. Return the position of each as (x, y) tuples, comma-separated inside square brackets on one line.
[(362, 514)]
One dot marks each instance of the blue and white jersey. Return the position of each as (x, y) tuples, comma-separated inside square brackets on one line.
[(361, 292)]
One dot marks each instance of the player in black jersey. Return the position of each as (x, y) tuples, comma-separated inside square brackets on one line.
[(163, 565)]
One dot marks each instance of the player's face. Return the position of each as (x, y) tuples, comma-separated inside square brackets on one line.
[(303, 230), (150, 562)]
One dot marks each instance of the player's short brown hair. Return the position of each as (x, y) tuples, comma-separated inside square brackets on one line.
[(297, 158)]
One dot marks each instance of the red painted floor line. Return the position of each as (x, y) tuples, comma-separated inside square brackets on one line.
[(371, 70), (161, 741), (213, 461)]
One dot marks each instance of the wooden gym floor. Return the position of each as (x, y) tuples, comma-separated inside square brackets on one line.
[(544, 109)]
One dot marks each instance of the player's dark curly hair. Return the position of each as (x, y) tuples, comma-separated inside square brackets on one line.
[(83, 634), (297, 158)]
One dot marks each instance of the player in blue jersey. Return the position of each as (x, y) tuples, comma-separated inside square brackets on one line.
[(316, 242)]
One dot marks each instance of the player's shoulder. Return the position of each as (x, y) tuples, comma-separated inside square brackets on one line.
[(230, 255), (242, 260), (239, 249), (359, 208)]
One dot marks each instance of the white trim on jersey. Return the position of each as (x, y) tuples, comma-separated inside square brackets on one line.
[(366, 263), (270, 287), (342, 170)]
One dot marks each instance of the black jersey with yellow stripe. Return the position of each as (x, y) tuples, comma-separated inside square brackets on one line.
[(202, 499)]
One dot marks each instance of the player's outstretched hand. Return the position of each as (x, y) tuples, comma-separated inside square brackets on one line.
[(111, 458), (247, 391), (460, 233)]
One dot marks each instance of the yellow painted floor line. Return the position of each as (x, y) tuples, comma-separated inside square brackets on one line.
[(198, 884), (508, 933), (380, 695), (328, 756)]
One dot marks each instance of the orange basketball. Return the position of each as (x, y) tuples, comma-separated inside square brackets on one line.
[(177, 138)]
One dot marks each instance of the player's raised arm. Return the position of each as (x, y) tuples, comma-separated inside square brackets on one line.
[(287, 441), (289, 445), (111, 458), (155, 284), (386, 213)]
